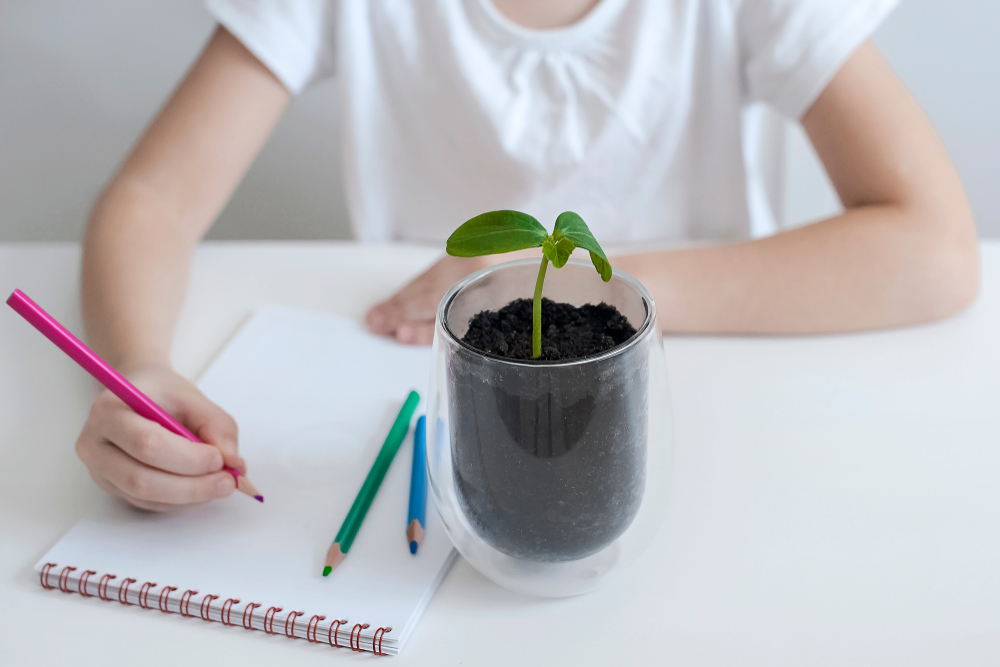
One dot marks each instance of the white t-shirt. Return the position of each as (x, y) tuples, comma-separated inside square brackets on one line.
[(630, 117)]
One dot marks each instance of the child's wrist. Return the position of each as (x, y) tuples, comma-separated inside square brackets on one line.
[(133, 366)]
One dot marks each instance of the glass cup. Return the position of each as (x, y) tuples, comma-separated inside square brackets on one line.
[(549, 476)]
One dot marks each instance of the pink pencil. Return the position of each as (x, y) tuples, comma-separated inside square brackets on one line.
[(109, 377)]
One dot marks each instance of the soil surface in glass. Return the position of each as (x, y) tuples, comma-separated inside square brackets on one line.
[(568, 332)]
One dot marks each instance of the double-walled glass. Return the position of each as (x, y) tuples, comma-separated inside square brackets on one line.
[(549, 476)]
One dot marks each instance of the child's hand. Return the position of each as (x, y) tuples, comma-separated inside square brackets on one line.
[(136, 459), (409, 314)]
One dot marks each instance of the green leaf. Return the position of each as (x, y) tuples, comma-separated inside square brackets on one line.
[(564, 248), (496, 232), (558, 253), (549, 250), (571, 226)]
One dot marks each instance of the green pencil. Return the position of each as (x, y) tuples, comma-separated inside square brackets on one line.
[(345, 536)]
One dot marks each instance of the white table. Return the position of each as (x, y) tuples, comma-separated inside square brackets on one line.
[(836, 500)]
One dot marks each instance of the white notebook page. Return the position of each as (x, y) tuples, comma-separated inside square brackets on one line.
[(314, 396)]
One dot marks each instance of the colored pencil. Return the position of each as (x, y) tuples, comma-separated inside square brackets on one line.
[(349, 529), (110, 378), (418, 487)]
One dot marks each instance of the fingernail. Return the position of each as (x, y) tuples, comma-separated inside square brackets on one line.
[(217, 460)]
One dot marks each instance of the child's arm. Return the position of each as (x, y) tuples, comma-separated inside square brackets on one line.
[(137, 250), (903, 253)]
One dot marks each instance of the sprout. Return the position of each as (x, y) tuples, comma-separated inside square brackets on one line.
[(506, 231)]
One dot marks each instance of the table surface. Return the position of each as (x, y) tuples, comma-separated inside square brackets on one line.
[(835, 500)]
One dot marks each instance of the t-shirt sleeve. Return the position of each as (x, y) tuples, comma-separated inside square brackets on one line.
[(293, 38), (791, 49)]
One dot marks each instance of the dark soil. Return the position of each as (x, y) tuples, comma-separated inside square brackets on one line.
[(568, 332)]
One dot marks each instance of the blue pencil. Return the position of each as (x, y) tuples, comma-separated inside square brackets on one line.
[(418, 487)]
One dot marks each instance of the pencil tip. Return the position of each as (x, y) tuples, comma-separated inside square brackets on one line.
[(414, 533), (333, 558), (413, 547), (243, 485)]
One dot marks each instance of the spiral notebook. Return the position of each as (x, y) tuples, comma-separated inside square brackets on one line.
[(314, 395)]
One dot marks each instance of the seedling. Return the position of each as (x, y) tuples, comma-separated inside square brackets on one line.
[(506, 231)]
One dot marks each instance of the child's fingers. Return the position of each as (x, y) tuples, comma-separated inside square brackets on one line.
[(150, 443), (416, 304), (416, 333), (412, 305), (148, 485), (384, 318), (213, 425), (136, 459), (146, 504), (138, 502)]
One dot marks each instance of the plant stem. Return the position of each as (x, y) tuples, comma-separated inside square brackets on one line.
[(536, 312)]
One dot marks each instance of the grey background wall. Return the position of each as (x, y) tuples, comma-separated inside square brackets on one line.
[(78, 83), (79, 80)]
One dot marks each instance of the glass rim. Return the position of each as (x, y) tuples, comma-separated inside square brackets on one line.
[(457, 288)]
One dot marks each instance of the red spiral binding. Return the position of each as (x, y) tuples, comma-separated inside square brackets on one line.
[(331, 635), (164, 600), (359, 628), (82, 584), (313, 627), (185, 605), (226, 615), (206, 607), (102, 586), (43, 576), (144, 594), (123, 591), (291, 617), (378, 636), (270, 613), (64, 578), (250, 607)]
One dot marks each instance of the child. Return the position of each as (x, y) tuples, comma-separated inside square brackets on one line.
[(625, 111)]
